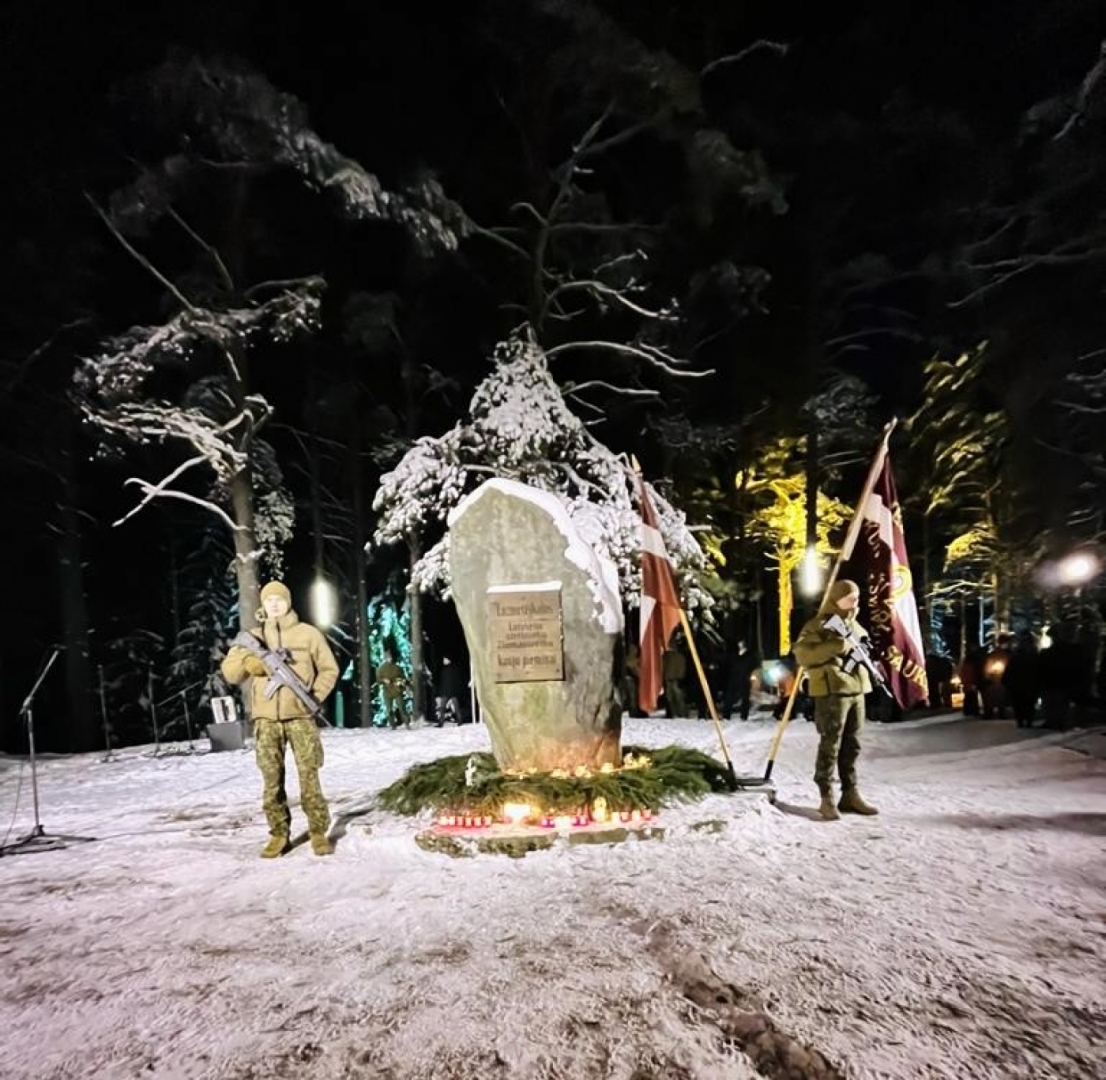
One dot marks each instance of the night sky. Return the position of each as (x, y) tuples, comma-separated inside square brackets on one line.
[(404, 87)]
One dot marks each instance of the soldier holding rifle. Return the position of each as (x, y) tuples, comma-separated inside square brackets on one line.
[(291, 670), (832, 647)]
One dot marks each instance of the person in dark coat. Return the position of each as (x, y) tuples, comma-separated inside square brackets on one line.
[(674, 672), (991, 689), (631, 679), (740, 670), (451, 687), (971, 678), (939, 672), (1059, 670), (1021, 680)]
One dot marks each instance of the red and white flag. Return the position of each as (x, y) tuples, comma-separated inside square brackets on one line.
[(877, 561), (660, 605)]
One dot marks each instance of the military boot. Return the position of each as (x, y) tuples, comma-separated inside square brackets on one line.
[(277, 845), (852, 803), (827, 811), (321, 845)]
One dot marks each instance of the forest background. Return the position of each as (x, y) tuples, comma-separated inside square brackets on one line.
[(256, 257)]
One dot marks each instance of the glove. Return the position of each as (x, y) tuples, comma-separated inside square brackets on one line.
[(255, 667)]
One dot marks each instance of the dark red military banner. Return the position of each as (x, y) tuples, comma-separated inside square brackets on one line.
[(879, 565)]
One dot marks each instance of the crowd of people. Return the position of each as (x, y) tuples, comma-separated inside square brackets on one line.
[(733, 676), (1049, 685)]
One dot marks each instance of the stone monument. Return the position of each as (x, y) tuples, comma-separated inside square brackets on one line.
[(543, 622)]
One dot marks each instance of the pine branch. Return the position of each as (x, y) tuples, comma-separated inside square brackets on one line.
[(212, 251), (599, 288), (140, 258), (652, 356), (780, 48), (156, 491)]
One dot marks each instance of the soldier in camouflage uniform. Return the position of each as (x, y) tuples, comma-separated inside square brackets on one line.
[(393, 683), (282, 720), (838, 700)]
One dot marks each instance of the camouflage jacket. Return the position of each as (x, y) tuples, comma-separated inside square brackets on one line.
[(822, 654), (309, 657), (391, 678)]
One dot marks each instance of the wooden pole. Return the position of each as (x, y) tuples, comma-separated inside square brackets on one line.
[(707, 695), (845, 551)]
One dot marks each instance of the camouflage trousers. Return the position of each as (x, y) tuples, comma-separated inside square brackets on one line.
[(395, 710), (273, 737), (839, 719)]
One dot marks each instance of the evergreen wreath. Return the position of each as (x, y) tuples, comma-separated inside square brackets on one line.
[(649, 779)]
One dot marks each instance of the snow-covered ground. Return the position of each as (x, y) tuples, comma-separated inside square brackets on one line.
[(960, 934)]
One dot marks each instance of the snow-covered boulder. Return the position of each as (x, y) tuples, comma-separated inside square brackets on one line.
[(522, 578)]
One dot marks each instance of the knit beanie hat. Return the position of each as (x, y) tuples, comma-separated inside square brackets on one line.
[(842, 588), (276, 588)]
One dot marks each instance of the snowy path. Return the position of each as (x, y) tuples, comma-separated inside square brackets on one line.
[(960, 934)]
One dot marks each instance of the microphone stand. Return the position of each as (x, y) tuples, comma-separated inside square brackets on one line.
[(37, 838)]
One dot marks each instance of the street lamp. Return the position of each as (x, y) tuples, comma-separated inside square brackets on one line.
[(1072, 571), (810, 573), (324, 604), (1077, 568)]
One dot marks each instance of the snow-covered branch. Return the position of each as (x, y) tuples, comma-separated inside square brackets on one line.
[(140, 258), (496, 236), (780, 48), (212, 252), (574, 389), (153, 491), (651, 355), (599, 288)]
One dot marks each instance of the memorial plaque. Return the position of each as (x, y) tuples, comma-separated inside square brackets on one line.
[(526, 632)]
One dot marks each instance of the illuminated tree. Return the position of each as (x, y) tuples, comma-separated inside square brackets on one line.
[(779, 520), (962, 450)]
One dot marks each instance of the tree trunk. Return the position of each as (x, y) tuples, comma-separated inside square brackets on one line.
[(83, 733), (998, 623), (418, 683), (927, 598), (810, 607), (785, 605), (246, 555), (360, 573), (316, 484), (758, 610), (410, 376), (963, 655), (74, 607), (245, 549)]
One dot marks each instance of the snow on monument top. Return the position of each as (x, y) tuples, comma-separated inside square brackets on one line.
[(600, 570)]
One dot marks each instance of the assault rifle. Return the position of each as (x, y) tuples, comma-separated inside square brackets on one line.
[(281, 674), (857, 654)]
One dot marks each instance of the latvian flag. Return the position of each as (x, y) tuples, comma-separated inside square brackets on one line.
[(660, 605), (878, 563)]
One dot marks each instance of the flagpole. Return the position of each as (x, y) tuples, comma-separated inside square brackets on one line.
[(707, 695), (844, 553)]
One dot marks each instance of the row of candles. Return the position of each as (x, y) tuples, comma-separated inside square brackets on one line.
[(521, 813)]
